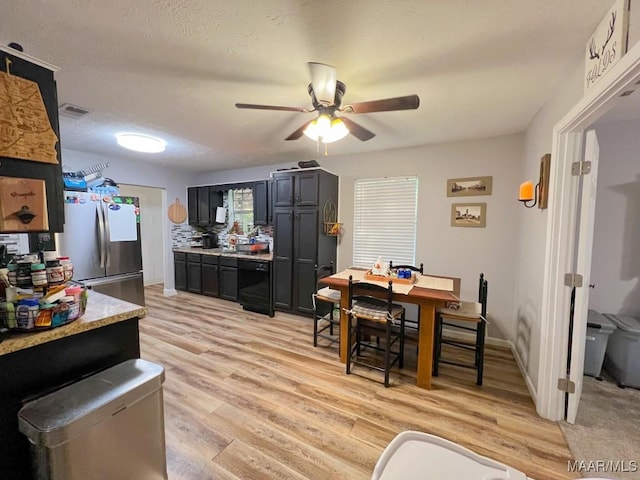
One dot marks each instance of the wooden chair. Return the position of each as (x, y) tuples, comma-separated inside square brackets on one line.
[(468, 312), (325, 300), (372, 313)]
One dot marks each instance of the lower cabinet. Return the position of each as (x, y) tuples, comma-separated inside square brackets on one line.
[(180, 270), (194, 273), (229, 278), (210, 275)]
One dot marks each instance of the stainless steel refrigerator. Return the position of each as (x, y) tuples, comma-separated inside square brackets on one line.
[(102, 239)]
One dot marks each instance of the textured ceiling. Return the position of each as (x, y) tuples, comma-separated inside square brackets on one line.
[(175, 68)]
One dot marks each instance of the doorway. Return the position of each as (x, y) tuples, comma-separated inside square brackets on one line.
[(151, 230), (621, 81)]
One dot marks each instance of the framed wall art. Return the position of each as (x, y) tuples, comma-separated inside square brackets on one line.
[(469, 215), (468, 187)]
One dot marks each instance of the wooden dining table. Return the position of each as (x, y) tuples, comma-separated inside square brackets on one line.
[(428, 299)]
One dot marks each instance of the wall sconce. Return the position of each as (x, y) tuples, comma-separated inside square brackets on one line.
[(539, 194)]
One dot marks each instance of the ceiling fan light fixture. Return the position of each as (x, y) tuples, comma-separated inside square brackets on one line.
[(326, 130), (141, 143)]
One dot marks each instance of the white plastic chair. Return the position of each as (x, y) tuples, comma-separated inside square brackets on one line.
[(417, 456)]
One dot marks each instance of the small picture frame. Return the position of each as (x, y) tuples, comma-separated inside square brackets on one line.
[(469, 186), (469, 215)]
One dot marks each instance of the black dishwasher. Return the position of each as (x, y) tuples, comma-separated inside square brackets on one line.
[(254, 286)]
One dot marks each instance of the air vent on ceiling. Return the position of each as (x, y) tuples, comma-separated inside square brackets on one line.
[(73, 111)]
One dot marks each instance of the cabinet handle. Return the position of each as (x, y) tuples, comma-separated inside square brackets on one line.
[(290, 214), (290, 198)]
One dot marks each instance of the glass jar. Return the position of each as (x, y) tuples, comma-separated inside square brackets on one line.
[(38, 275), (67, 268), (23, 275), (13, 272), (55, 273)]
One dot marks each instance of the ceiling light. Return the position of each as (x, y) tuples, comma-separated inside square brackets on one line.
[(141, 143), (326, 130)]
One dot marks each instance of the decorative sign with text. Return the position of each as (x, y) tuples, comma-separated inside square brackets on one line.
[(607, 44)]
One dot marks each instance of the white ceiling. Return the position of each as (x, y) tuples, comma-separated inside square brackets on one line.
[(175, 68)]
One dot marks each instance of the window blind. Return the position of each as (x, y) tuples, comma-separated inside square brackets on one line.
[(385, 217)]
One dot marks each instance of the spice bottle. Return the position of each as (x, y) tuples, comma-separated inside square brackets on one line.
[(38, 275), (55, 273), (67, 268)]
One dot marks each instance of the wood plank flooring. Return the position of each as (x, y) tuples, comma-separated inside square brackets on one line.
[(249, 397)]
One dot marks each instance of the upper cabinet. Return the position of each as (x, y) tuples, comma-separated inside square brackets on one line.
[(295, 188), (261, 202), (29, 137), (202, 203)]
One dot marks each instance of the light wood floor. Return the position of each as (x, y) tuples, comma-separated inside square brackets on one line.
[(249, 397)]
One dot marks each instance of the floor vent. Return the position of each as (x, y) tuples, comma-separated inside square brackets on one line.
[(73, 111)]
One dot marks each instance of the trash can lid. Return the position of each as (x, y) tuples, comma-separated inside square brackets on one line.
[(598, 320), (62, 415), (625, 322)]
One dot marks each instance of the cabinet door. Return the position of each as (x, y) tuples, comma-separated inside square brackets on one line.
[(210, 283), (215, 201), (283, 258), (229, 283), (283, 190), (192, 205), (260, 203), (306, 255), (180, 267), (306, 189), (194, 277), (203, 206)]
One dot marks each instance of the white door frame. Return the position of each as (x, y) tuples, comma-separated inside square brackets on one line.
[(559, 251)]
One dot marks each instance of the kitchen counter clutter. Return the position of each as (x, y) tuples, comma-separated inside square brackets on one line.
[(267, 257), (101, 310)]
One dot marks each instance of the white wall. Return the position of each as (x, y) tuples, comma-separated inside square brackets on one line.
[(173, 182), (532, 224), (615, 267)]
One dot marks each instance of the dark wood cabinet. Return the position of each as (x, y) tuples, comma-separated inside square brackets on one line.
[(229, 283), (194, 273), (299, 239), (296, 189), (50, 173), (210, 272), (180, 270), (202, 203), (261, 202)]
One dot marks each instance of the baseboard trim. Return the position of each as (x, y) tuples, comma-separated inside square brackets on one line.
[(525, 375), (170, 292)]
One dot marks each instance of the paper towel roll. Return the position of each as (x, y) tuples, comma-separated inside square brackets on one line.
[(221, 214)]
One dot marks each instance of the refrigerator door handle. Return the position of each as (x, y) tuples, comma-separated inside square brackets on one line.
[(107, 236), (101, 238)]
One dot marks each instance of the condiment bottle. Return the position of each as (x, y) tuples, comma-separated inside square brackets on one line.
[(26, 313), (38, 275), (13, 273), (55, 273), (67, 268)]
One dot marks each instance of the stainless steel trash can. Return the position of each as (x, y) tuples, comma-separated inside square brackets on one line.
[(109, 425)]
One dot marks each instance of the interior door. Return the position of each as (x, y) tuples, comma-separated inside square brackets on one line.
[(586, 213)]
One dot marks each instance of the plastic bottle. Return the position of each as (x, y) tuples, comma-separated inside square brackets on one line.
[(26, 313), (67, 268), (38, 275)]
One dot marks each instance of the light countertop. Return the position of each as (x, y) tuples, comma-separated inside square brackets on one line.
[(101, 311), (265, 257)]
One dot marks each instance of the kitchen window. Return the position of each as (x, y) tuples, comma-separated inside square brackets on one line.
[(241, 208), (385, 220)]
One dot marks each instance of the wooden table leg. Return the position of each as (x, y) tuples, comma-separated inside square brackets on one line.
[(425, 344), (344, 324)]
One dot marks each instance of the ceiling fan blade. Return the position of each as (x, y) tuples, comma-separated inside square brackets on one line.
[(408, 102), (358, 130), (299, 132), (323, 80), (271, 107)]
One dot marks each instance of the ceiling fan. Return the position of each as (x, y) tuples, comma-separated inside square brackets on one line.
[(326, 97)]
